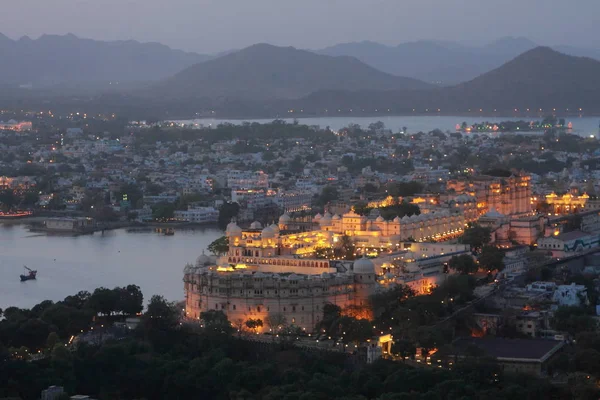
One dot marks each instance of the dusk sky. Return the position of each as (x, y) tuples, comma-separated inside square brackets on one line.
[(216, 25)]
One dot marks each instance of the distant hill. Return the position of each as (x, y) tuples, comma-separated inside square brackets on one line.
[(264, 71), (57, 60), (443, 63), (539, 78)]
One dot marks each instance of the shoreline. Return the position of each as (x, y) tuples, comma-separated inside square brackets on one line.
[(130, 227), (387, 115)]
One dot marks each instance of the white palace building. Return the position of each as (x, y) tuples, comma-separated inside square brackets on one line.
[(273, 273)]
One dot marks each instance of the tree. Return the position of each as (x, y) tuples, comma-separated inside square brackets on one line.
[(463, 264), (130, 192), (476, 236), (429, 338), (227, 212), (254, 324), (7, 199), (351, 329), (216, 321), (220, 246), (131, 300), (361, 208), (345, 248), (52, 340), (328, 194), (376, 126), (60, 354), (404, 348), (78, 300), (276, 322), (160, 315), (491, 258), (404, 189), (331, 313), (573, 320), (163, 211), (104, 301)]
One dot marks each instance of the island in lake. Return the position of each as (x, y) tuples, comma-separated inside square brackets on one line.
[(550, 122)]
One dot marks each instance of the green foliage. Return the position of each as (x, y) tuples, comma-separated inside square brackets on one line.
[(163, 211), (404, 189), (328, 194), (491, 258), (403, 348), (573, 320), (399, 210), (216, 321), (219, 246), (124, 300), (227, 212), (172, 362), (463, 264), (345, 248), (254, 324), (476, 236)]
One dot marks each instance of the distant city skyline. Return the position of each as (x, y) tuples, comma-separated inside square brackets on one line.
[(210, 26)]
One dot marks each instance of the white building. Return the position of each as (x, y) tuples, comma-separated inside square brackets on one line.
[(571, 295), (197, 215), (252, 199), (294, 201), (247, 180), (569, 243)]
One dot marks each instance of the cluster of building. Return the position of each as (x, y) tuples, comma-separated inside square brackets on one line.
[(16, 126), (275, 271)]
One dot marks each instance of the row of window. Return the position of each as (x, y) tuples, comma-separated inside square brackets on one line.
[(259, 308), (280, 262)]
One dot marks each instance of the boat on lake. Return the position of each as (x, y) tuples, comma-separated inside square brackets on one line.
[(31, 275)]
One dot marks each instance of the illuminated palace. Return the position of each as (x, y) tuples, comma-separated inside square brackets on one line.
[(264, 276), (510, 196), (570, 203), (438, 225), (275, 271)]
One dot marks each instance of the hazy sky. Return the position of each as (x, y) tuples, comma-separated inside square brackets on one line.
[(215, 25)]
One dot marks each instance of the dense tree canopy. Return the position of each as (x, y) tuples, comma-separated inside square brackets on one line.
[(463, 264)]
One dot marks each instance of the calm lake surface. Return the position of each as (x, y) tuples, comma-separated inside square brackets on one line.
[(67, 265), (583, 126)]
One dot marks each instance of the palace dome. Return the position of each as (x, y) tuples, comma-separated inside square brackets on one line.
[(233, 230), (274, 228), (256, 225), (379, 219), (285, 218), (267, 233), (364, 266), (202, 260)]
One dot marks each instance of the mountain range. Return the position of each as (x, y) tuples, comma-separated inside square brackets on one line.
[(263, 71), (540, 79), (443, 63), (266, 80), (57, 60)]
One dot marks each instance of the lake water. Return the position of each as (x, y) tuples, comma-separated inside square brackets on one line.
[(583, 126), (67, 265)]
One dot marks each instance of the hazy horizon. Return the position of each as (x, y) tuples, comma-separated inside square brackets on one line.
[(210, 26)]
